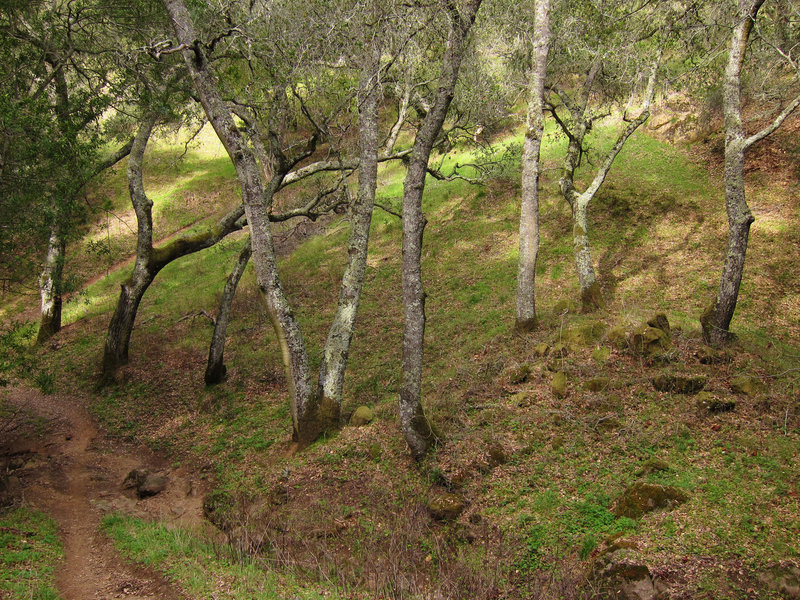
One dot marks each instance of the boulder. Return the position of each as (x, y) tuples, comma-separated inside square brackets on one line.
[(559, 384), (659, 321), (445, 506), (625, 580), (783, 579), (541, 349), (641, 498), (585, 335), (601, 354), (153, 484), (677, 384), (362, 416), (496, 455), (520, 374), (712, 356), (652, 465), (617, 337), (649, 341), (744, 384), (565, 306), (135, 478)]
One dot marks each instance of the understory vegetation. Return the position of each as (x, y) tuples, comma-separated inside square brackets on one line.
[(541, 433)]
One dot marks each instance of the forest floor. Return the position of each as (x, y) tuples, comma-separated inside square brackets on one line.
[(72, 472)]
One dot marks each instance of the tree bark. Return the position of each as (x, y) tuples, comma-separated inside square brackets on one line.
[(149, 260), (50, 284), (256, 198), (415, 425), (716, 320), (215, 369), (529, 208), (340, 335)]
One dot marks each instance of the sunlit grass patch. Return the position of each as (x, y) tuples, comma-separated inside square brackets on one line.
[(31, 549)]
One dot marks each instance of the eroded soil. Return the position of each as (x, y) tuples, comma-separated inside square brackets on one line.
[(65, 467)]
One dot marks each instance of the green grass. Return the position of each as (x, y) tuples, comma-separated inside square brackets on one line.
[(30, 552), (201, 568)]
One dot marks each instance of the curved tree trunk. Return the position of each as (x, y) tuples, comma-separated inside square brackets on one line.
[(215, 368), (337, 345), (50, 283), (415, 425), (591, 297), (529, 208)]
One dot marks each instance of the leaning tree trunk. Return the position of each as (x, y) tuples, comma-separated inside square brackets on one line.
[(415, 425), (50, 283), (215, 369), (529, 209), (340, 335), (256, 199)]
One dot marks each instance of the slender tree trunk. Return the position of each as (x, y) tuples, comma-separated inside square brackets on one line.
[(717, 318), (215, 369), (529, 209), (337, 346), (256, 199), (50, 284), (416, 428), (591, 297)]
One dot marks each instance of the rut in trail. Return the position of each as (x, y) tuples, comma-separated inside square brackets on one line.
[(75, 474)]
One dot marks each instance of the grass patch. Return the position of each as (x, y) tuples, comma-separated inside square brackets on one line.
[(31, 549)]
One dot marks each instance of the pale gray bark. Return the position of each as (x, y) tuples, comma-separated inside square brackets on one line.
[(256, 198), (50, 282), (337, 346), (529, 206), (215, 368), (415, 426), (717, 318)]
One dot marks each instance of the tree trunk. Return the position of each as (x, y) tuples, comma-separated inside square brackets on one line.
[(416, 428), (50, 284), (337, 346), (256, 200), (591, 297), (716, 320), (215, 369), (529, 209)]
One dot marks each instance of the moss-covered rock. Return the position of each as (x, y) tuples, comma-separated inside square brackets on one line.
[(649, 341), (520, 374), (624, 580), (641, 498), (678, 384), (585, 335), (783, 579), (559, 384), (708, 404), (652, 465), (617, 337), (744, 384), (496, 454), (597, 384), (362, 416), (445, 506), (542, 349), (660, 321), (713, 356)]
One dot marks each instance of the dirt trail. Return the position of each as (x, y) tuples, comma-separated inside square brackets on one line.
[(75, 474)]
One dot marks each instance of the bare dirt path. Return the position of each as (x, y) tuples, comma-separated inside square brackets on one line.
[(75, 474)]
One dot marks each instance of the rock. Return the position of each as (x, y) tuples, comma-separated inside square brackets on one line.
[(445, 506), (520, 374), (617, 337), (784, 580), (565, 306), (559, 384), (721, 406), (659, 321), (153, 484), (744, 384), (624, 580), (178, 511), (652, 465), (601, 354), (104, 506), (541, 349), (362, 416), (135, 478), (496, 455), (597, 384), (16, 463), (678, 384), (711, 356), (649, 341), (585, 335), (559, 350), (641, 498)]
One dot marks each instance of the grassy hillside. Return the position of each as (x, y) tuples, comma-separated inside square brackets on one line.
[(538, 471)]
